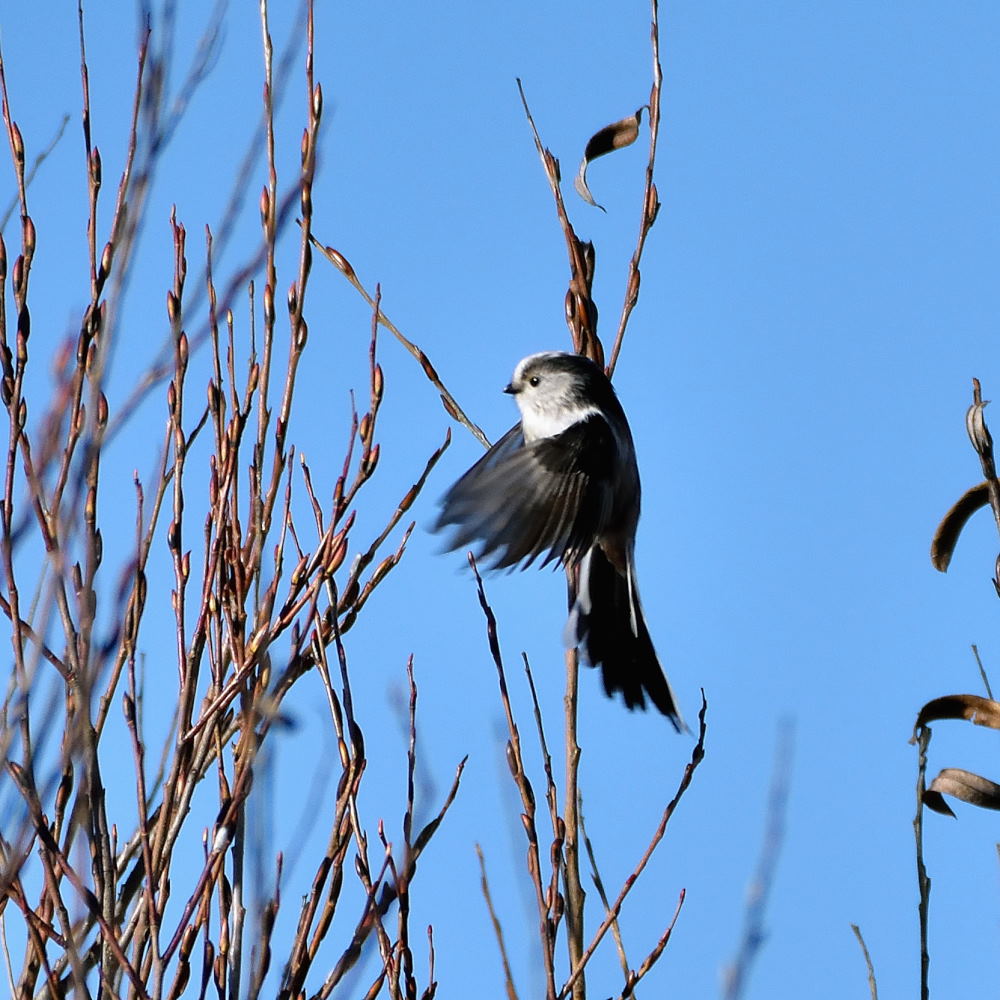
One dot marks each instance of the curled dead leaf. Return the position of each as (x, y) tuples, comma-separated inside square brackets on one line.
[(979, 433), (935, 801), (965, 786), (972, 707), (946, 536), (615, 136)]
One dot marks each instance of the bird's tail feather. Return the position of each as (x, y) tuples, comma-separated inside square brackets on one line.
[(607, 623)]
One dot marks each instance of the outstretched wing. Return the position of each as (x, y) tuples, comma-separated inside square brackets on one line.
[(552, 496)]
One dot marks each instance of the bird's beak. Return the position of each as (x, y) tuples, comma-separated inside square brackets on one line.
[(509, 389)]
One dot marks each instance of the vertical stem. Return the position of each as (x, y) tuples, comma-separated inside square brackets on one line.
[(575, 896), (923, 882)]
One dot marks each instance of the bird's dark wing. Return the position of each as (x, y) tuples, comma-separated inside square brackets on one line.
[(552, 496)]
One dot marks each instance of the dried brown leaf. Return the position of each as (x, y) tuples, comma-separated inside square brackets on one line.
[(972, 707), (946, 536), (979, 433), (936, 803), (615, 136), (967, 787)]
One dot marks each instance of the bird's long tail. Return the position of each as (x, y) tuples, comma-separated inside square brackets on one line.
[(607, 623)]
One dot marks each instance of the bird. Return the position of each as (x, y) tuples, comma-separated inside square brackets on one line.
[(562, 486)]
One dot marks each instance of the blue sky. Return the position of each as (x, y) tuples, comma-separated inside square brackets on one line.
[(818, 291)]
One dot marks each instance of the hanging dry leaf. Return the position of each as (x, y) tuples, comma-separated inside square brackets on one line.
[(611, 137), (965, 786), (936, 803), (978, 710), (979, 433), (946, 536)]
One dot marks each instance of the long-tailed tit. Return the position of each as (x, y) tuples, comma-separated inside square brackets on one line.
[(562, 485)]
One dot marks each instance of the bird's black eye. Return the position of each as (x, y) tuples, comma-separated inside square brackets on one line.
[(534, 380)]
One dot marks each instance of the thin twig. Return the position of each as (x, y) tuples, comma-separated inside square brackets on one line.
[(544, 899), (497, 929), (697, 756), (982, 672), (30, 175), (753, 928), (872, 985), (634, 978), (599, 886), (650, 196), (575, 895), (581, 313), (449, 402), (923, 880)]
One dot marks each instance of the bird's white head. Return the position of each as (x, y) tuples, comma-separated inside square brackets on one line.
[(554, 391)]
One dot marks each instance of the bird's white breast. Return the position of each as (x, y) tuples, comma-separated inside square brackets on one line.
[(543, 422)]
